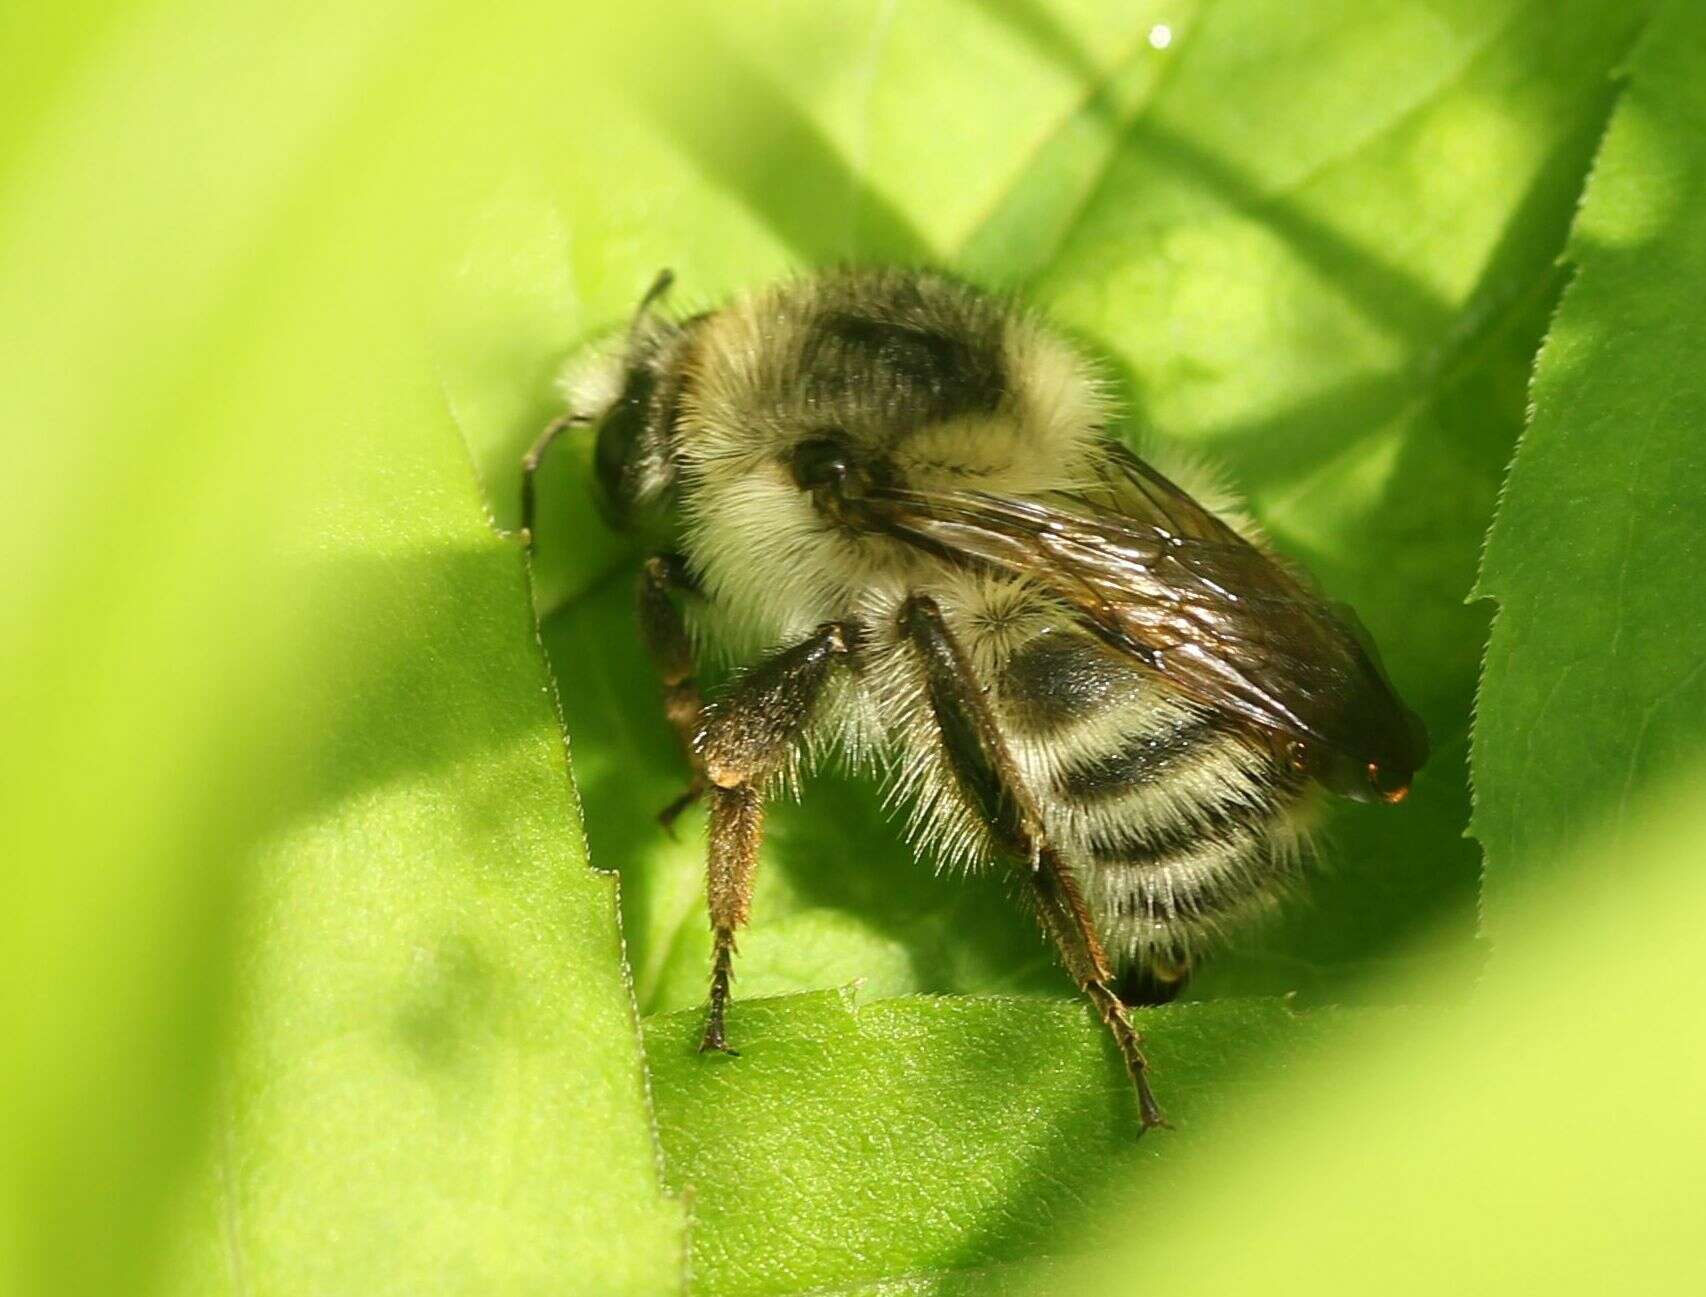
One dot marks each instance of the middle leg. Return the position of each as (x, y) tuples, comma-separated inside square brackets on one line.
[(982, 762)]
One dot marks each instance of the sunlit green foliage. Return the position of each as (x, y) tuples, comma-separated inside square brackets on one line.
[(305, 981)]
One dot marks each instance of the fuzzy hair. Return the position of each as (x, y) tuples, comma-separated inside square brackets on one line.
[(772, 567)]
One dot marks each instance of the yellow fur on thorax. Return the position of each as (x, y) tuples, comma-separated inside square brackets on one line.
[(767, 556)]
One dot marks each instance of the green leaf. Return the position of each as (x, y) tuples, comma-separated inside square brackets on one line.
[(1545, 1139), (1323, 250), (1596, 675), (926, 1137), (311, 985), (435, 1073), (1342, 306)]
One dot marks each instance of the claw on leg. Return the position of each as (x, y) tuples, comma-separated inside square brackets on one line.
[(671, 813), (1130, 1042), (722, 972)]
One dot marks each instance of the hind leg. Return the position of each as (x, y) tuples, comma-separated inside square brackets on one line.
[(987, 773)]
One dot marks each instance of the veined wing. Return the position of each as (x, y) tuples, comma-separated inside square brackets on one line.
[(1156, 575)]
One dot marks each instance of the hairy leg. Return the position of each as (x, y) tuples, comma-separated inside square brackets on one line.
[(984, 765), (737, 827), (746, 736), (530, 468)]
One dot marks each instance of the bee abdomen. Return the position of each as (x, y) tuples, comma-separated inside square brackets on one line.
[(1144, 843), (1177, 820), (1059, 680), (1186, 847), (1174, 886), (1144, 758)]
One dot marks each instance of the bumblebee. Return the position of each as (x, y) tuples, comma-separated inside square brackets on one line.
[(902, 513)]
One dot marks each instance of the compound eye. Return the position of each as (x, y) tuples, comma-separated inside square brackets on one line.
[(820, 462)]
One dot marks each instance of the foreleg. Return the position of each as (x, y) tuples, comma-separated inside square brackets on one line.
[(663, 578), (530, 467)]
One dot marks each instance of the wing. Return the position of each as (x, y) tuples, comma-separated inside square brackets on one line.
[(1156, 575)]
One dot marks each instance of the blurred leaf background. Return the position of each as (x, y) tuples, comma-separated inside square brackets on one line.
[(310, 979)]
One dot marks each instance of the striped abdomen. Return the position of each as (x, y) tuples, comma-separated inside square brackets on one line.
[(1177, 822)]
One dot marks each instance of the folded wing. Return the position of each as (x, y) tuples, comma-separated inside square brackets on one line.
[(1156, 575)]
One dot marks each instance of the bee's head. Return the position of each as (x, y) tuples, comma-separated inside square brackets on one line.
[(625, 387), (622, 476)]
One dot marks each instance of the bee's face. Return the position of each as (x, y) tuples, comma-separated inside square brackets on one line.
[(618, 431), (627, 388)]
